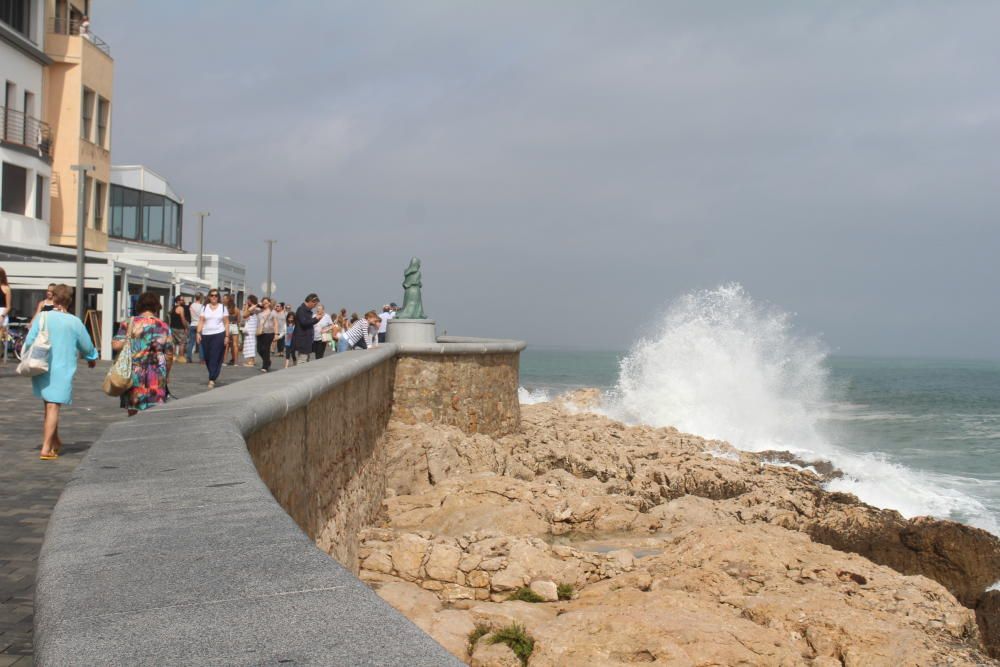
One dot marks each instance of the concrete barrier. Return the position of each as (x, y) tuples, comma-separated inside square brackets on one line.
[(187, 535)]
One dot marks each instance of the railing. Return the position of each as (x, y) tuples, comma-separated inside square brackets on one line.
[(78, 28), (18, 128)]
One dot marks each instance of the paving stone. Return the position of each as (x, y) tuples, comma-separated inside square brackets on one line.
[(29, 487)]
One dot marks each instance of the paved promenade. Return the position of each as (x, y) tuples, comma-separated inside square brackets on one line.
[(29, 487)]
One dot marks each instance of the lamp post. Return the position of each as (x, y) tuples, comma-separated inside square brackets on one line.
[(201, 243), (270, 244), (81, 231)]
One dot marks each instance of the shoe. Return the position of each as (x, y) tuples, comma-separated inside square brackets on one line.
[(263, 370), (48, 457), (211, 384)]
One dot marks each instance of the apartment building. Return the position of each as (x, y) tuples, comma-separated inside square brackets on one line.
[(57, 112), (25, 139), (78, 92)]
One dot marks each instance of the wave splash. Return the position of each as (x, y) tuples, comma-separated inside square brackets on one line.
[(724, 366)]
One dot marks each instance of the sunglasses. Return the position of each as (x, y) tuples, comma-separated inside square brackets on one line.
[(213, 295)]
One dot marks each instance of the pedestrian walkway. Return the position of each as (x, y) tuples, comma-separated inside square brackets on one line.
[(29, 487)]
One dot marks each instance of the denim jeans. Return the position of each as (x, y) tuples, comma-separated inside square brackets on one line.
[(191, 342)]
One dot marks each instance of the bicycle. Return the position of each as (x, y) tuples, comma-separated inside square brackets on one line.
[(13, 338)]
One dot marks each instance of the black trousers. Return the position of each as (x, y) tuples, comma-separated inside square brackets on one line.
[(381, 336), (264, 341), (319, 348), (214, 348)]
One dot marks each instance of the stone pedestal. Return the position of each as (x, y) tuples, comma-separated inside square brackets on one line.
[(411, 331)]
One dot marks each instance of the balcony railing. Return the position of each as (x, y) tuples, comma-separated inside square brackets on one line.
[(77, 28), (23, 130)]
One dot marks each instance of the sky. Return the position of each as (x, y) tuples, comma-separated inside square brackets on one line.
[(565, 169)]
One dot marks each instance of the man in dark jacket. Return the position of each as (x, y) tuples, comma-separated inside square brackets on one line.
[(305, 320)]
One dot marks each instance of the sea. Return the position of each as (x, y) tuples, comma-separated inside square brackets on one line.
[(921, 436)]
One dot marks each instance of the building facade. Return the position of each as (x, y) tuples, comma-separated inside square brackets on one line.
[(79, 86), (57, 115), (25, 139)]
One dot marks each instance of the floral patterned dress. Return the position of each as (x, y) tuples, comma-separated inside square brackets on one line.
[(149, 362)]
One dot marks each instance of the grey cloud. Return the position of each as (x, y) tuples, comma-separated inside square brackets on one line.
[(563, 167)]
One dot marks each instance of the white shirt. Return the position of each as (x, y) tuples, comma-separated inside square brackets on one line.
[(385, 320), (213, 320), (323, 323), (196, 309)]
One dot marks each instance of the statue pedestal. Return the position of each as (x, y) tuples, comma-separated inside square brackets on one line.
[(411, 331)]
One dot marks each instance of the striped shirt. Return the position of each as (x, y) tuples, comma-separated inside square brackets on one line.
[(357, 333)]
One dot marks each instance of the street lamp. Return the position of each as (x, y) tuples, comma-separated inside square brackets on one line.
[(81, 230), (270, 244), (201, 243)]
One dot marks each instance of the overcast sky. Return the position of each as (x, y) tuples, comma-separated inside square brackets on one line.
[(565, 169)]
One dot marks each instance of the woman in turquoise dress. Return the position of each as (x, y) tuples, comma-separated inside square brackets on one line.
[(69, 340), (152, 355)]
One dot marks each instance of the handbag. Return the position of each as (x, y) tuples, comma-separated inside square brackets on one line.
[(119, 377), (36, 360), (327, 337)]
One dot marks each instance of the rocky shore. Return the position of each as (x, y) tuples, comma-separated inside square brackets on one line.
[(607, 544)]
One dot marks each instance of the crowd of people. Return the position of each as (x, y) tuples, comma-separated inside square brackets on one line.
[(208, 329)]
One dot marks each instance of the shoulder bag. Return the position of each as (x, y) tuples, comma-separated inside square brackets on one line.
[(36, 360), (119, 377)]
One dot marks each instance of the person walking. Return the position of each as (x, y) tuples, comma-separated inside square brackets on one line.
[(213, 335), (195, 314), (289, 342), (6, 302), (321, 332), (152, 349), (68, 340), (46, 304), (233, 342), (267, 327), (251, 309), (281, 321), (305, 323), (357, 337), (180, 319)]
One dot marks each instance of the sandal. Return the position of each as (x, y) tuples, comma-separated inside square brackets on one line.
[(48, 457)]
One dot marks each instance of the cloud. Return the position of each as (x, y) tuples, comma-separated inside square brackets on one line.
[(563, 167)]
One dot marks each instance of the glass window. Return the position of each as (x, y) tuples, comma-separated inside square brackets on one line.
[(87, 113), (99, 189), (88, 195), (16, 14), (152, 218), (115, 210), (40, 195), (130, 213), (103, 113), (15, 188)]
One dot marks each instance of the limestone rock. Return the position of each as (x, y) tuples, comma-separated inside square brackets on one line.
[(546, 590), (494, 655)]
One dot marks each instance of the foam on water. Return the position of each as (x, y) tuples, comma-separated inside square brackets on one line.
[(723, 366), (531, 397)]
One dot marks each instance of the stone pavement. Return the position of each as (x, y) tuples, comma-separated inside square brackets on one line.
[(29, 487)]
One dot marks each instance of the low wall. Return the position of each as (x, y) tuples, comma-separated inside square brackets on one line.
[(189, 534)]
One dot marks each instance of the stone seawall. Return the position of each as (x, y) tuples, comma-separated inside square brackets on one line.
[(189, 534), (471, 392)]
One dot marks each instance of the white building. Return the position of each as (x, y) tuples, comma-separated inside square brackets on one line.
[(146, 226), (25, 140)]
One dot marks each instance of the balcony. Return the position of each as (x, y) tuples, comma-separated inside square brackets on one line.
[(76, 28), (19, 129)]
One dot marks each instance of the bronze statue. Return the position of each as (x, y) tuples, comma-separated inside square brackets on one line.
[(413, 305)]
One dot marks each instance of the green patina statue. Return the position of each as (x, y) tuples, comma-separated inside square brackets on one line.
[(413, 305)]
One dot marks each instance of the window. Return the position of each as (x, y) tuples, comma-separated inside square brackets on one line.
[(103, 112), (152, 218), (86, 126), (40, 194), (88, 188), (15, 188), (16, 14), (130, 213), (99, 190)]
